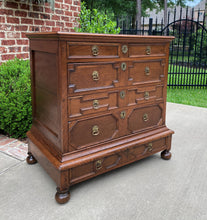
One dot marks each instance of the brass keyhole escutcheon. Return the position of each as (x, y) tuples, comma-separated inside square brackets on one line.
[(95, 50), (98, 164), (148, 50), (122, 94), (145, 117), (123, 66), (149, 147), (95, 104), (123, 114), (147, 71), (95, 75), (124, 49), (95, 130), (146, 95)]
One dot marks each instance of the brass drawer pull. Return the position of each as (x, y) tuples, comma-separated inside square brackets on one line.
[(95, 50), (148, 50), (146, 95), (124, 49), (147, 71), (122, 94), (95, 104), (149, 147), (95, 130), (95, 75), (123, 66), (98, 164), (123, 114), (145, 117)]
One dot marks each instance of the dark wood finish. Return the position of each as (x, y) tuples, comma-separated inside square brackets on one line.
[(99, 103)]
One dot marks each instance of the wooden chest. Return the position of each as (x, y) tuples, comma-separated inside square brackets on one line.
[(99, 102)]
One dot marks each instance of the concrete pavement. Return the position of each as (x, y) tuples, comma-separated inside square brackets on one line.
[(150, 189)]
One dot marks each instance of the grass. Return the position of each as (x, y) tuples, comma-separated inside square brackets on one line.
[(194, 97)]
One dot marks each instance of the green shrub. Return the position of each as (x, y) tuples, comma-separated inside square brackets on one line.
[(15, 98), (95, 22)]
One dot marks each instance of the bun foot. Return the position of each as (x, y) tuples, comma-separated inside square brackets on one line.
[(166, 155), (62, 196), (31, 159)]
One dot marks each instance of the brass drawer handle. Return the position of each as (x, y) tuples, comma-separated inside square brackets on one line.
[(146, 95), (149, 147), (95, 50), (148, 50), (147, 71), (95, 130), (123, 114), (123, 66), (122, 94), (98, 164), (145, 117), (95, 75), (124, 49), (95, 104)]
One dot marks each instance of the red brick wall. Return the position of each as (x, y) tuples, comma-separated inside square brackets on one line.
[(19, 17)]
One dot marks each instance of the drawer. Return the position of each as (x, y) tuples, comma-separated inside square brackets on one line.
[(145, 118), (115, 160), (146, 71), (137, 50), (92, 76), (92, 103), (83, 133), (145, 94), (92, 50)]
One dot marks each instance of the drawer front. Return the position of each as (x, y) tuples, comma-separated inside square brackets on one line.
[(145, 118), (145, 94), (146, 71), (83, 133), (81, 50), (104, 164), (92, 103), (137, 50), (92, 76)]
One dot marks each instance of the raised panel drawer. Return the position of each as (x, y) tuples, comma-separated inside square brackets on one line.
[(146, 71), (92, 76), (90, 50), (83, 133), (92, 103), (104, 164), (137, 50), (145, 118)]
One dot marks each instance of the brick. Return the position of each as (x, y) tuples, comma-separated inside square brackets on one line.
[(21, 13), (21, 28), (61, 24), (73, 8), (12, 20), (57, 5), (48, 10), (55, 17), (9, 4), (76, 14), (2, 35), (67, 24), (68, 2), (6, 27), (38, 22), (23, 42), (59, 12), (50, 23), (37, 8), (61, 1), (33, 15), (45, 29), (56, 29), (64, 18), (3, 50), (65, 7), (7, 56), (23, 55), (24, 7), (25, 49), (13, 35), (23, 35), (8, 42), (34, 28), (6, 12), (14, 49), (76, 2), (44, 16), (26, 21), (68, 13)]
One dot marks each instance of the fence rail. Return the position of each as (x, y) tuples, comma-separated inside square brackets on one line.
[(188, 51)]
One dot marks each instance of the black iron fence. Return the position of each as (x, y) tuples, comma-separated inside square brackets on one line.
[(188, 51)]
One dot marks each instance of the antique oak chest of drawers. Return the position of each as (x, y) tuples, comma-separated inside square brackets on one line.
[(99, 102)]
